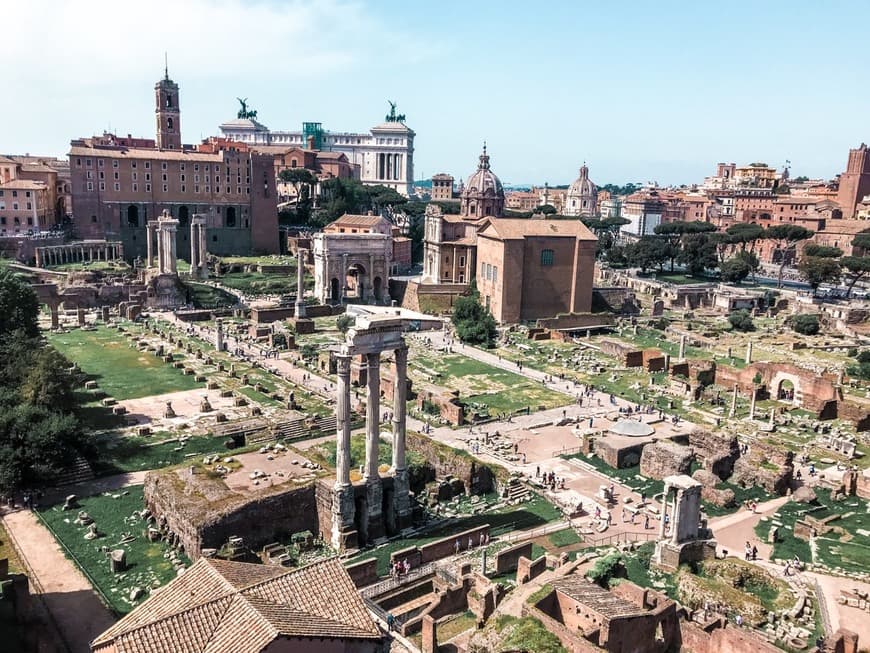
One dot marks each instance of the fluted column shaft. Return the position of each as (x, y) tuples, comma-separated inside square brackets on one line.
[(400, 399), (373, 409), (342, 414)]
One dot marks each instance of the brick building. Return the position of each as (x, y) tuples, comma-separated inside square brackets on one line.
[(442, 187), (532, 269), (119, 184), (51, 173), (25, 206), (855, 181), (218, 605)]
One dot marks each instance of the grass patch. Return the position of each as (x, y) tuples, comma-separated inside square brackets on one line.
[(530, 514), (122, 371), (565, 537), (529, 634), (450, 628), (8, 551), (257, 283), (741, 496), (485, 389), (204, 296), (111, 512), (130, 453)]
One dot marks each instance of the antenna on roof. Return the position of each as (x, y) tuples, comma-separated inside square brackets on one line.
[(166, 65)]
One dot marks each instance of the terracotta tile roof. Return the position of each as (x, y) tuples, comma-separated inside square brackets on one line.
[(234, 607), (514, 229), (24, 184), (354, 220)]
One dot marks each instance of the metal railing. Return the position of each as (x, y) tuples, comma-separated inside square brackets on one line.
[(615, 538), (395, 582)]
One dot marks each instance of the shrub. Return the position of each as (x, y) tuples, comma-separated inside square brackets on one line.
[(344, 322), (741, 320), (805, 323)]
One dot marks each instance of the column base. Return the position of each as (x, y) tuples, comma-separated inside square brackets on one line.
[(344, 535), (374, 501), (402, 500)]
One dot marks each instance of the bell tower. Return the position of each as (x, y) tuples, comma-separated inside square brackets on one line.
[(168, 113)]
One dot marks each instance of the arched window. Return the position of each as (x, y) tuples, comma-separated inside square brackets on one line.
[(169, 100), (183, 216), (169, 123), (132, 216), (547, 257), (231, 217)]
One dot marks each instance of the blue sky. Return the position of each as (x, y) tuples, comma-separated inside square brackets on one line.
[(639, 90)]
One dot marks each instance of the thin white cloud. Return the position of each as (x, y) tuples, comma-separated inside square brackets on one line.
[(103, 42)]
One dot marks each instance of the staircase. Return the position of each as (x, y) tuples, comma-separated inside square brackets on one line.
[(517, 491), (78, 472)]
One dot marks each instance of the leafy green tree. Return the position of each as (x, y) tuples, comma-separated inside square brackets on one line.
[(741, 320), (46, 382), (745, 234), (857, 266), (344, 322), (786, 237), (805, 323), (675, 232), (817, 270), (19, 307), (474, 323), (734, 270), (861, 368), (697, 253), (822, 251), (648, 252), (546, 209)]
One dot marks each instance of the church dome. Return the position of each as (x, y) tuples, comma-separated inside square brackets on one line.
[(582, 195), (483, 194)]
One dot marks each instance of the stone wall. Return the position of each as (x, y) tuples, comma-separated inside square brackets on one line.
[(618, 456), (723, 640), (528, 570), (626, 355), (203, 513), (363, 573), (664, 458), (447, 461), (266, 315), (506, 560), (717, 452), (764, 465), (420, 555), (576, 321)]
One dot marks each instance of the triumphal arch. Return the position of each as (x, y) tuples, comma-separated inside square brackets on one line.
[(377, 505), (352, 267)]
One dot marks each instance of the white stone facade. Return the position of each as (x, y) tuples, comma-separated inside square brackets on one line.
[(385, 155), (352, 267)]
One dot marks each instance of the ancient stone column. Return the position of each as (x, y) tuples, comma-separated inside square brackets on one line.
[(748, 359), (38, 252), (682, 353), (664, 511), (55, 319), (342, 417), (170, 236), (373, 419), (193, 262), (219, 335), (203, 248), (733, 410), (752, 404), (299, 307), (676, 515), (400, 398)]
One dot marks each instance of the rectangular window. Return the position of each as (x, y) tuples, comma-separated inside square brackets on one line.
[(132, 164), (164, 176), (114, 163), (78, 163), (148, 165), (196, 179), (102, 175), (29, 206), (90, 185), (147, 176), (117, 176), (102, 185), (88, 163), (208, 188), (183, 188), (165, 188), (547, 257), (182, 166), (117, 186), (494, 274), (135, 176), (196, 189), (135, 188), (14, 206), (163, 166), (195, 167), (147, 188), (100, 162), (182, 178)]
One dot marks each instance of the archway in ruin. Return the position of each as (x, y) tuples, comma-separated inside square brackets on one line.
[(355, 279)]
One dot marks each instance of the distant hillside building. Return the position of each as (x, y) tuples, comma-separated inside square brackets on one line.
[(34, 193), (384, 155), (119, 184)]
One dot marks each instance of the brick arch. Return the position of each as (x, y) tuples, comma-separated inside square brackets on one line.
[(777, 381)]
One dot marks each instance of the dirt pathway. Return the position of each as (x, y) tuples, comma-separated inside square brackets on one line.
[(75, 607)]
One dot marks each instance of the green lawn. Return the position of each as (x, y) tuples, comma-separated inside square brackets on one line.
[(565, 537), (121, 371), (530, 514), (112, 515), (484, 388), (130, 453), (205, 296), (255, 283), (832, 551)]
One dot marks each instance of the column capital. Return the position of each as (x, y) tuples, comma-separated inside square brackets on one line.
[(342, 362)]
